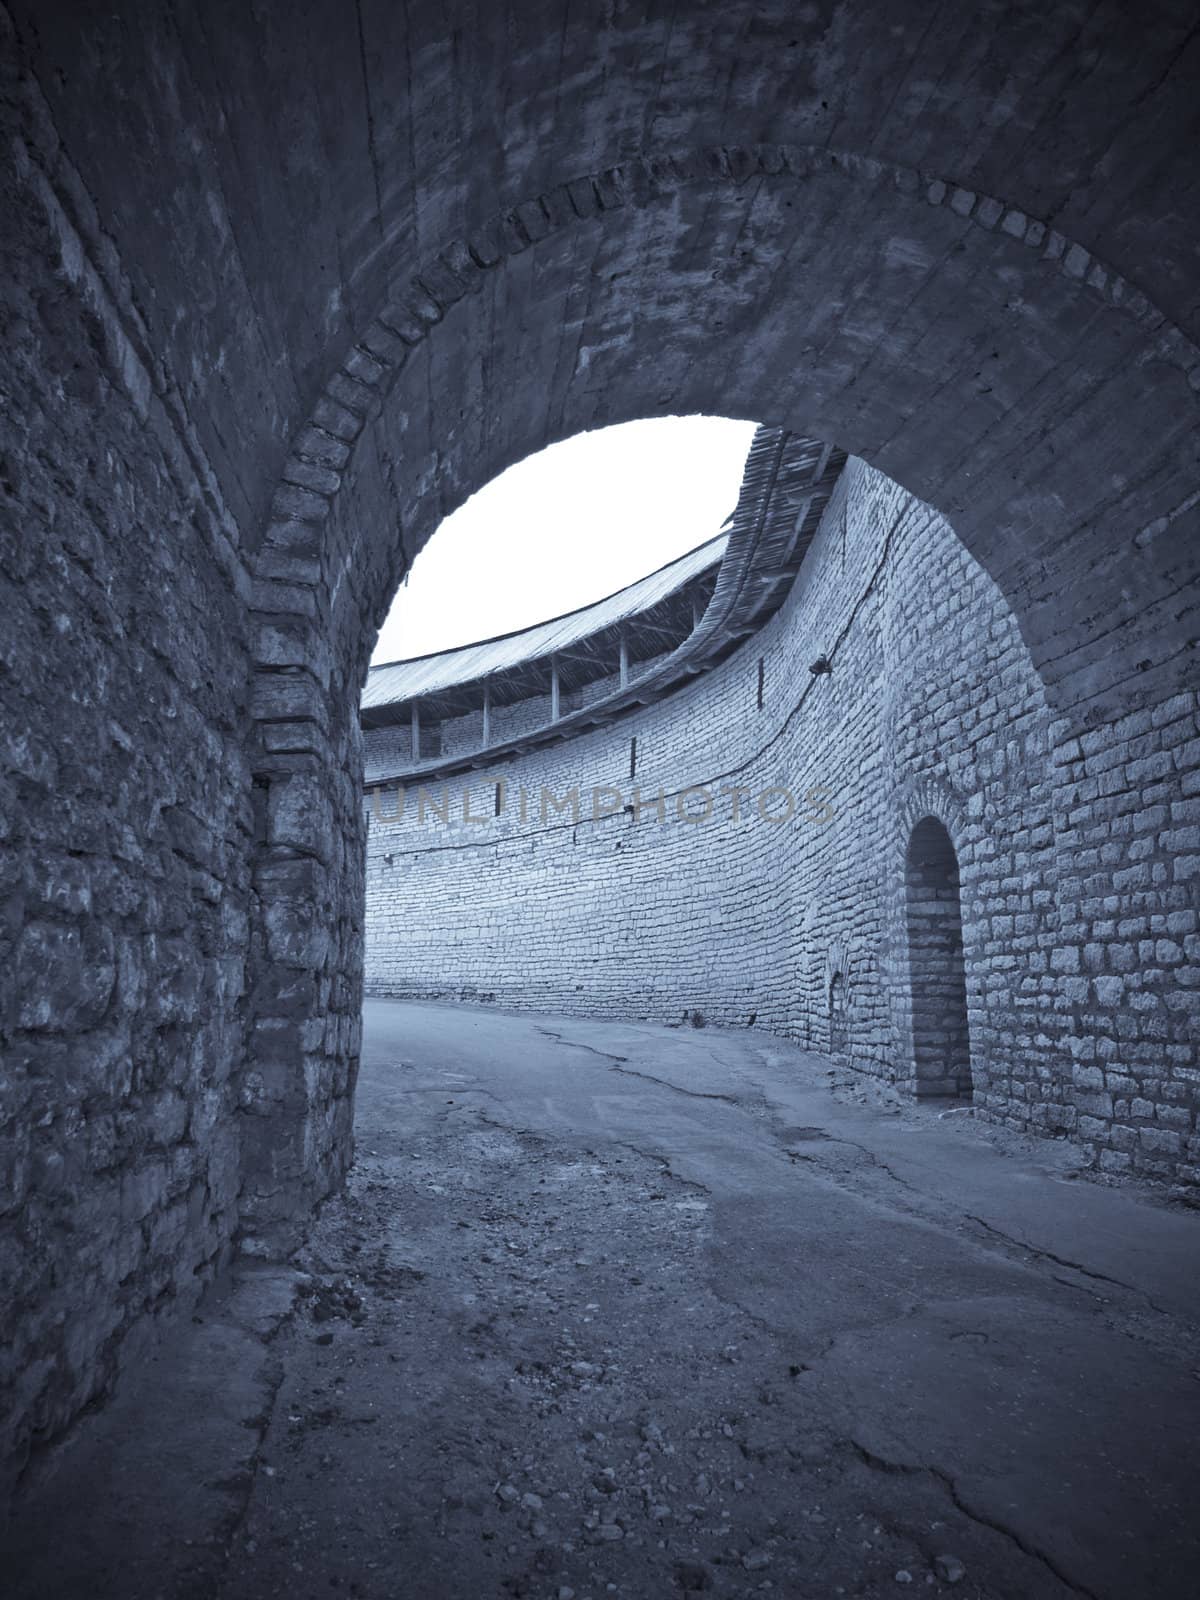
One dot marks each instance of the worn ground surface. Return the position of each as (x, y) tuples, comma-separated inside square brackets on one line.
[(639, 1311)]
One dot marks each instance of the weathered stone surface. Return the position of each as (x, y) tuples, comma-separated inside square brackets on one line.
[(193, 286), (126, 831)]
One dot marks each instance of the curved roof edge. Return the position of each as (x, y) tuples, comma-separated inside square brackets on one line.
[(786, 486), (400, 681)]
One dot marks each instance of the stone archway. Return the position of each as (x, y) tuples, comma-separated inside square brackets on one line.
[(412, 423), (355, 262), (1089, 347), (937, 972)]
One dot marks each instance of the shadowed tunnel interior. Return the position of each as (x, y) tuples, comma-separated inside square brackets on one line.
[(281, 287)]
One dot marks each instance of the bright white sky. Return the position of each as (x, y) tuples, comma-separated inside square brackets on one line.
[(566, 527)]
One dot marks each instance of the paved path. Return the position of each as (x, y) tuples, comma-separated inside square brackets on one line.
[(618, 1309)]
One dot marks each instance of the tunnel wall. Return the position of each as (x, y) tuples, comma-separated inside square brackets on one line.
[(125, 818), (932, 708)]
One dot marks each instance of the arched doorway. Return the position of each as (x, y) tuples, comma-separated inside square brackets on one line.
[(937, 972)]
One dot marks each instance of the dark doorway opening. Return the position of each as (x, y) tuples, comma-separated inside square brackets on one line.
[(941, 1042)]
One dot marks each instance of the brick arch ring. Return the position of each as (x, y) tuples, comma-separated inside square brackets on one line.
[(930, 797), (323, 447)]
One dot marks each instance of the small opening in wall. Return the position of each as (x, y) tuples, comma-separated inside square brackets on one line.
[(761, 673), (633, 758), (941, 1041), (839, 1022), (499, 798)]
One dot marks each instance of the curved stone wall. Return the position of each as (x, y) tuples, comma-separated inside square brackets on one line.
[(932, 709)]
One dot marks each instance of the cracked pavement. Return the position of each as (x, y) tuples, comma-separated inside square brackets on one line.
[(616, 1309)]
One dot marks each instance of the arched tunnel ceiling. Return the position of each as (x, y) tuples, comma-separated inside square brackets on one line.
[(265, 171), (1049, 423), (270, 176)]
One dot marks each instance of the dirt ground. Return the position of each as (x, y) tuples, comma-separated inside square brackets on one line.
[(602, 1313), (583, 1413)]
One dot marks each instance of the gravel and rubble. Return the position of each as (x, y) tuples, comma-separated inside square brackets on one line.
[(509, 1377)]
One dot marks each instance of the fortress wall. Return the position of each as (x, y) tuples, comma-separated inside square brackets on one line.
[(736, 919), (932, 708)]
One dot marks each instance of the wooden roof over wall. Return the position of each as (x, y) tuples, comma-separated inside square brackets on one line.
[(684, 618)]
